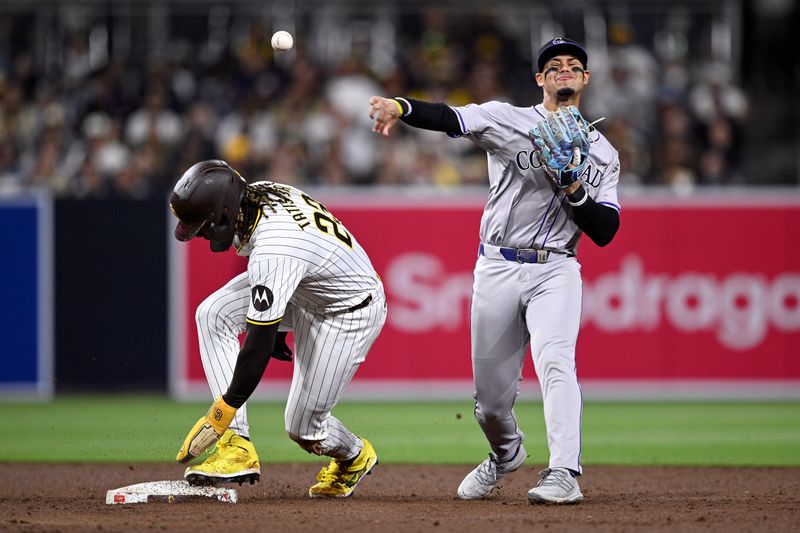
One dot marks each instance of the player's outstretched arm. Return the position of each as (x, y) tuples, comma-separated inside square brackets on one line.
[(432, 116)]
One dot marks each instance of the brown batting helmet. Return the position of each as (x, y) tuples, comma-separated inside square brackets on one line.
[(206, 201)]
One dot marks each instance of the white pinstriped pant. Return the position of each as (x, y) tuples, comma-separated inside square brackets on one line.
[(328, 350)]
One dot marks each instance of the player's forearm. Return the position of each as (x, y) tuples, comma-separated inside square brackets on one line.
[(598, 221), (433, 116), (251, 363)]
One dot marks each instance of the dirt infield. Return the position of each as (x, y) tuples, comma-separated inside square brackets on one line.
[(408, 498)]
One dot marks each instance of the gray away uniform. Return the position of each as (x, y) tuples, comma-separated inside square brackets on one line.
[(519, 304)]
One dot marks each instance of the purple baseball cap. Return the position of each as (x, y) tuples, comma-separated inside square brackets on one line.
[(561, 46)]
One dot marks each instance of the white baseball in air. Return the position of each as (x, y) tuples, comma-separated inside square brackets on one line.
[(282, 41)]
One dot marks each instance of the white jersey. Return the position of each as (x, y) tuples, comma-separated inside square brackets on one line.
[(308, 272), (525, 209), (303, 255)]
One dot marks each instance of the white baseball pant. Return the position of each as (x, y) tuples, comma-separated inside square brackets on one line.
[(514, 306), (328, 350)]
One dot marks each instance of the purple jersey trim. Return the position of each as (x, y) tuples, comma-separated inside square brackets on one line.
[(553, 223), (464, 130), (609, 204), (543, 219)]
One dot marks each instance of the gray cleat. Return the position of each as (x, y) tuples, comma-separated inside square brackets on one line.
[(557, 485), (479, 483)]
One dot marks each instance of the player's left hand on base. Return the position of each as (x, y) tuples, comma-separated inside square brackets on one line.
[(206, 431), (561, 143)]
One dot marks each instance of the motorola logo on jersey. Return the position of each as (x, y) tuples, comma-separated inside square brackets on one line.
[(262, 298)]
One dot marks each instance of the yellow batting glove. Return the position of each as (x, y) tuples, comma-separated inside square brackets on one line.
[(206, 431)]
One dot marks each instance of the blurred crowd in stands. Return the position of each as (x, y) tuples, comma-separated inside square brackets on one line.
[(129, 128)]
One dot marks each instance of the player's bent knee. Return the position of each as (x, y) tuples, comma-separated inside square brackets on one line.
[(488, 413), (205, 312), (208, 315)]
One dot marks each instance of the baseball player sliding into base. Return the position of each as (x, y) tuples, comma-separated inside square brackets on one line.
[(552, 177), (306, 273)]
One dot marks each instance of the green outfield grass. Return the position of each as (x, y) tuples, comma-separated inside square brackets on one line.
[(150, 429)]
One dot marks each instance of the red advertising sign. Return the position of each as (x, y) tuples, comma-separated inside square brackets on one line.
[(704, 290)]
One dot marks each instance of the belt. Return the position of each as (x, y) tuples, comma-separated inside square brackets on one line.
[(362, 305), (520, 255)]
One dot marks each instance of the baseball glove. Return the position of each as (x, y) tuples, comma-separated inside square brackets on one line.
[(561, 143)]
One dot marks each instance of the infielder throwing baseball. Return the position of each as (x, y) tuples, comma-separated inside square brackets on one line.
[(305, 273), (552, 177)]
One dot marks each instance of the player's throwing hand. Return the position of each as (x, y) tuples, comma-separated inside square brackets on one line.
[(385, 112)]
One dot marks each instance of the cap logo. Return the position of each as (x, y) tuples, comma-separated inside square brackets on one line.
[(558, 40)]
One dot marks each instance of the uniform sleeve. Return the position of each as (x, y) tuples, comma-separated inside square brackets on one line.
[(607, 191), (273, 281), (479, 122)]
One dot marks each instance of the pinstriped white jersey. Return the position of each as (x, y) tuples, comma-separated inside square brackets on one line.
[(302, 255), (525, 209)]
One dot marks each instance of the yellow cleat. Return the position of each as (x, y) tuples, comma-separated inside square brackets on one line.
[(339, 478), (234, 460)]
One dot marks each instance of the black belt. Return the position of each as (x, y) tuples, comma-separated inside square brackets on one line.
[(362, 305)]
